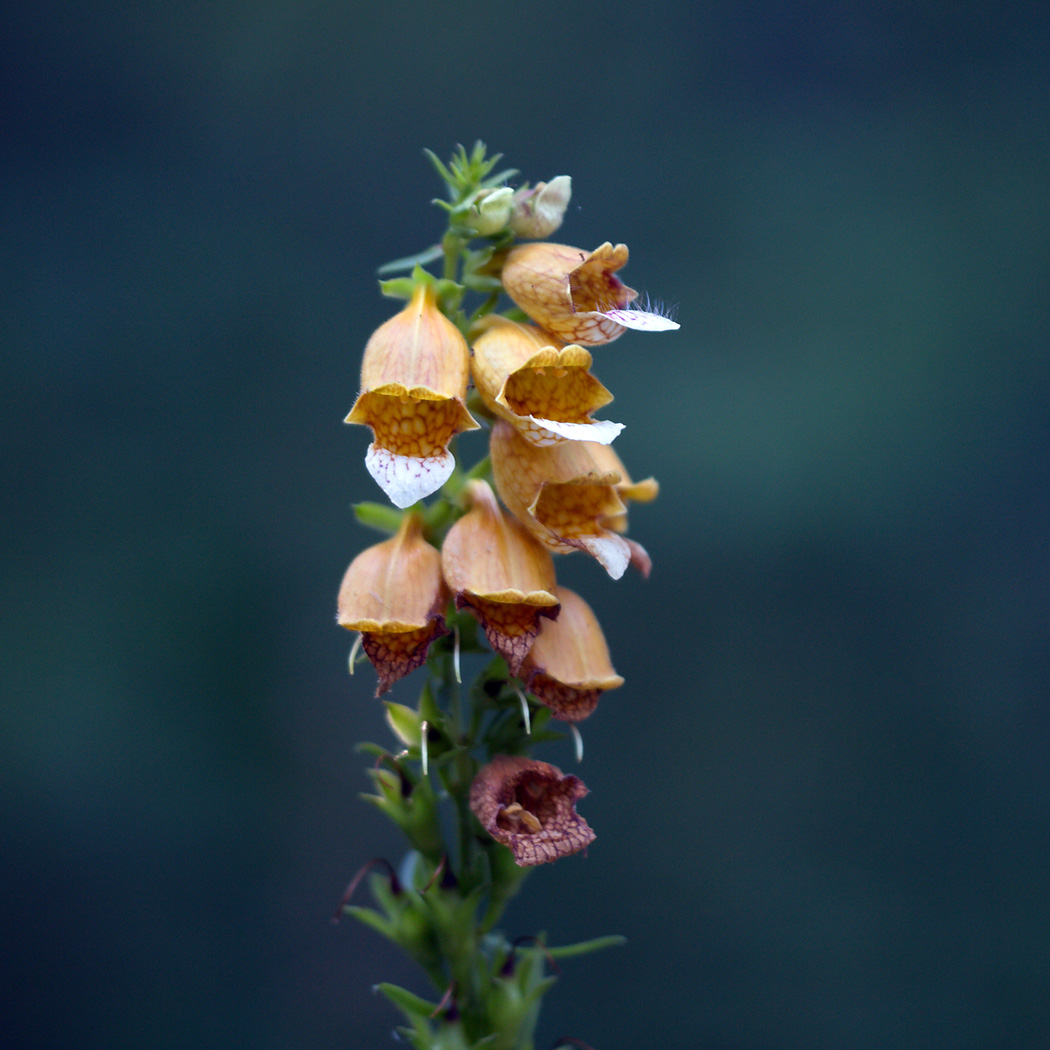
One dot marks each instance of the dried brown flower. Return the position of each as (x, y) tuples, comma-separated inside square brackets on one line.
[(530, 807)]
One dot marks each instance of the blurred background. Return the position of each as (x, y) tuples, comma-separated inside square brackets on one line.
[(822, 799)]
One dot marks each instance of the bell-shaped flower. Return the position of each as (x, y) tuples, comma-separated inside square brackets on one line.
[(413, 393), (538, 212), (560, 495), (576, 295), (568, 667), (546, 392), (395, 595), (530, 807), (497, 569), (644, 491)]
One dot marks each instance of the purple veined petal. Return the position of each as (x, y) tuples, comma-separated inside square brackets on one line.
[(406, 479), (641, 320)]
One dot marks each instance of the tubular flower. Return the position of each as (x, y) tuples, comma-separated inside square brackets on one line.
[(576, 296), (395, 595), (560, 495), (530, 807), (413, 388), (568, 667), (547, 393), (495, 568), (644, 491)]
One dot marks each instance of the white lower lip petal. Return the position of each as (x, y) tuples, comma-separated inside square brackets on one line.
[(642, 321)]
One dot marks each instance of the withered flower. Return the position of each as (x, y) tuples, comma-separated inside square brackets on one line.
[(568, 667), (499, 571), (576, 295), (395, 595), (530, 807), (547, 392), (560, 495), (413, 393)]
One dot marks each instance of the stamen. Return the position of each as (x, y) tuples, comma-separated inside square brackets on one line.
[(577, 741), (524, 711), (424, 729), (455, 654), (355, 650)]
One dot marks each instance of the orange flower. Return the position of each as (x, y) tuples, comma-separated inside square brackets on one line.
[(568, 667), (530, 807), (413, 392), (395, 595), (644, 491), (495, 568), (576, 296), (560, 495), (547, 393)]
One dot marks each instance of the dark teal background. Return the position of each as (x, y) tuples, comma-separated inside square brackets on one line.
[(822, 799)]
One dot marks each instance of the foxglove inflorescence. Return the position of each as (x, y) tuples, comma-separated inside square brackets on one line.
[(470, 569)]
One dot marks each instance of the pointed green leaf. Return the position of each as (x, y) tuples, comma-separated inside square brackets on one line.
[(568, 951), (379, 516), (427, 255), (405, 723)]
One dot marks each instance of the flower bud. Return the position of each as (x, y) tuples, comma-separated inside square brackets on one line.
[(545, 392), (530, 807), (395, 595), (495, 568), (539, 211), (490, 211), (568, 666), (413, 392), (560, 495)]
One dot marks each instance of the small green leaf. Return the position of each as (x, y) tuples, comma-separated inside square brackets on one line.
[(409, 262), (404, 722), (398, 287), (380, 516), (411, 1005), (568, 951)]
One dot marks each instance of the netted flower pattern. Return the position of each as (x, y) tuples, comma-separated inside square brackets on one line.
[(530, 807)]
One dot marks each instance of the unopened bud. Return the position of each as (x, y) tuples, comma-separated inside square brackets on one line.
[(490, 211), (539, 211)]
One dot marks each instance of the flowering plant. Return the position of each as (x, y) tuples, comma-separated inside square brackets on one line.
[(467, 561)]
